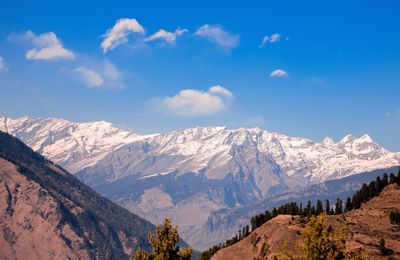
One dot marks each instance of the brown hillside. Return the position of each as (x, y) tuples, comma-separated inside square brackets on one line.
[(29, 221), (364, 228)]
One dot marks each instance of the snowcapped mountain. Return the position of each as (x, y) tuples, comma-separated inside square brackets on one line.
[(72, 145), (188, 174), (215, 152)]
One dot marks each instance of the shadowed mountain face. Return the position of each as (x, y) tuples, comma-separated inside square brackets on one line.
[(47, 213), (364, 228), (188, 174)]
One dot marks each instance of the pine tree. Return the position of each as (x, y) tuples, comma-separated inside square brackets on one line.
[(392, 178), (319, 208), (308, 209), (327, 207), (349, 204), (338, 207), (247, 230), (385, 180), (379, 185), (372, 189)]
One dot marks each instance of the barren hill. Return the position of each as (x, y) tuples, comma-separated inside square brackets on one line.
[(364, 228), (46, 213)]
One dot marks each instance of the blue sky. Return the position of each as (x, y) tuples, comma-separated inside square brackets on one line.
[(326, 68)]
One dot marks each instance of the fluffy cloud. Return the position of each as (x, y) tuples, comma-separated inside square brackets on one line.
[(276, 37), (47, 47), (119, 33), (217, 35), (90, 77), (217, 89), (279, 73), (99, 74), (191, 102), (2, 64), (168, 37)]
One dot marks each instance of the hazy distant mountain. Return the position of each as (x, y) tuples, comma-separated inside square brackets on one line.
[(187, 174)]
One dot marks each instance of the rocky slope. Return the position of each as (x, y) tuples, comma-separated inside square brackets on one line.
[(225, 223), (188, 174), (46, 213), (28, 217), (363, 227)]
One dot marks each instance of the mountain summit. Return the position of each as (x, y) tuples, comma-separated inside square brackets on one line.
[(187, 174)]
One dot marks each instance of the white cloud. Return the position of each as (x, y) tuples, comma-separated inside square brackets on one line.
[(47, 47), (110, 71), (2, 64), (191, 102), (119, 33), (217, 89), (90, 77), (168, 37), (276, 37), (279, 73), (217, 35), (99, 74)]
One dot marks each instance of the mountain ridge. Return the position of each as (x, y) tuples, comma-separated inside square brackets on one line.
[(195, 171), (363, 228)]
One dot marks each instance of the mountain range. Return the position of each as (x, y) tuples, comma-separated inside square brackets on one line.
[(188, 174)]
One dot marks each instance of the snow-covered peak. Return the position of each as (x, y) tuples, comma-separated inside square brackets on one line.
[(73, 145), (348, 139), (215, 150), (366, 138), (328, 141)]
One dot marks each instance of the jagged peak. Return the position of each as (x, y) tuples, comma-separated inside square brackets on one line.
[(348, 139), (366, 138), (328, 141)]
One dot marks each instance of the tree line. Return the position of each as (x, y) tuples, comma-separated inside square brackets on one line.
[(364, 194)]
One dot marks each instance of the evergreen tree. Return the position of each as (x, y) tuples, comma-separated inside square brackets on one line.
[(338, 206), (385, 180), (308, 209), (384, 250), (379, 185), (327, 207), (319, 208), (247, 230), (398, 177), (392, 178), (372, 189), (349, 204)]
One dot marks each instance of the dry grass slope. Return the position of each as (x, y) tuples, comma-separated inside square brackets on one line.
[(364, 228)]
